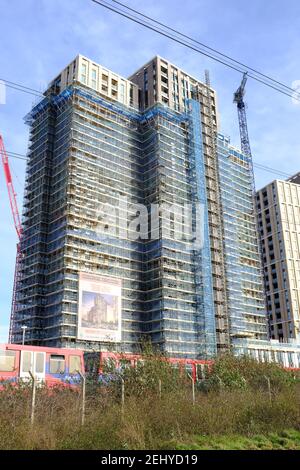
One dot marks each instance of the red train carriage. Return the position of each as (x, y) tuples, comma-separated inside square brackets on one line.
[(100, 362), (52, 366), (196, 368)]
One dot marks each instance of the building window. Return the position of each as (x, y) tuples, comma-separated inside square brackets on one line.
[(131, 103), (114, 88), (94, 79), (84, 73), (122, 93)]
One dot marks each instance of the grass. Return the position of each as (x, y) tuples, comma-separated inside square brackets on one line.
[(236, 411), (286, 440)]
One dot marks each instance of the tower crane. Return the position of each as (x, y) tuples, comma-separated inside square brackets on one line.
[(238, 98), (17, 224)]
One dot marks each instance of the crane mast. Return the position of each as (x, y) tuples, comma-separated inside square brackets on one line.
[(17, 224), (238, 98), (241, 107), (10, 189)]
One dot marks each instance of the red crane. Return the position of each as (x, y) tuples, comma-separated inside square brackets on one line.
[(10, 189), (17, 223)]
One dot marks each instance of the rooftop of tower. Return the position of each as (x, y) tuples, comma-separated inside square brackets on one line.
[(165, 83), (173, 66)]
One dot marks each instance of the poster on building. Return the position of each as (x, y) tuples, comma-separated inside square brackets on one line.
[(99, 308)]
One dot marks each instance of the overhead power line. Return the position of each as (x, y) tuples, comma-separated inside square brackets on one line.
[(225, 59), (271, 170), (9, 83), (20, 87), (19, 156), (181, 38), (256, 165), (202, 44)]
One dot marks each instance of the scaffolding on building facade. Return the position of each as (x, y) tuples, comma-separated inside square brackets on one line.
[(245, 294), (79, 141)]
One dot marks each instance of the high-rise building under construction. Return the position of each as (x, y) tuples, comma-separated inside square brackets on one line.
[(100, 147)]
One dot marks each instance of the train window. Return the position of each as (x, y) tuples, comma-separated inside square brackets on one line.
[(57, 364), (26, 361), (280, 357), (39, 363), (7, 361), (273, 359), (91, 362), (75, 364)]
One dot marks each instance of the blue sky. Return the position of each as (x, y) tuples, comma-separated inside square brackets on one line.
[(39, 37)]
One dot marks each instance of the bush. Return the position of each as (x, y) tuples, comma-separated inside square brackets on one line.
[(245, 372), (236, 402)]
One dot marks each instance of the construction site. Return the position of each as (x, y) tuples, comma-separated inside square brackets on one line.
[(150, 241), (91, 139), (96, 138)]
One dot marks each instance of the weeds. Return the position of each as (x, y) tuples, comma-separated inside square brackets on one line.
[(233, 409)]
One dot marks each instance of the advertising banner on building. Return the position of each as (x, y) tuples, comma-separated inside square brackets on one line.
[(99, 308)]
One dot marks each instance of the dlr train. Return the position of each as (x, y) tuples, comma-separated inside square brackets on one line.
[(67, 367), (60, 366)]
